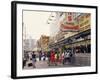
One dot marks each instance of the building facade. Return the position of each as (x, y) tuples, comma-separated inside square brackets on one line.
[(42, 43), (77, 38), (29, 44)]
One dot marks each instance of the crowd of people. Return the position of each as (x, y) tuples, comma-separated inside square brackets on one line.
[(57, 57), (53, 57)]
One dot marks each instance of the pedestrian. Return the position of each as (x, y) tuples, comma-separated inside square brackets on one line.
[(58, 56), (40, 55), (24, 62), (66, 57), (44, 56), (55, 59), (48, 56), (73, 56), (33, 59), (62, 57), (26, 56), (52, 57), (69, 55)]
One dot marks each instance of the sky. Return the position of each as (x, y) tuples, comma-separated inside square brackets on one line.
[(35, 24)]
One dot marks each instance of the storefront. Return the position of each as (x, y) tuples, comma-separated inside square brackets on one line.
[(80, 42)]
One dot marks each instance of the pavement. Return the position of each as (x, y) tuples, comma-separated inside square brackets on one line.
[(80, 60)]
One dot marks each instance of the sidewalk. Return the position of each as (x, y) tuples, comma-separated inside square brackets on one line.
[(80, 60)]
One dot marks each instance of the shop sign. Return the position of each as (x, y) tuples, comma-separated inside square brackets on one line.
[(69, 24), (69, 27)]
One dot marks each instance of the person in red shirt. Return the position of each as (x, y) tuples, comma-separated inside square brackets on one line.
[(52, 57)]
